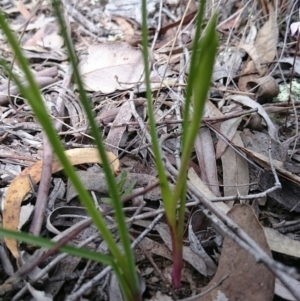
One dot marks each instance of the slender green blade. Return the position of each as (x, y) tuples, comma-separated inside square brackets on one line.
[(46, 243)]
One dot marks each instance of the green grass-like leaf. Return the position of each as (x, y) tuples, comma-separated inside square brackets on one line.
[(201, 67), (46, 243), (129, 280), (203, 56)]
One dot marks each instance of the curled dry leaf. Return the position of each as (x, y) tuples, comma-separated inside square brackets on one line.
[(247, 101), (20, 187), (75, 211), (267, 88), (258, 63), (111, 66), (246, 279), (288, 63), (264, 49)]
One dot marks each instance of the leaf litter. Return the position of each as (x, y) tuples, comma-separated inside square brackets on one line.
[(253, 62)]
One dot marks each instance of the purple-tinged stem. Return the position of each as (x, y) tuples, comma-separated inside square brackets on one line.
[(177, 258)]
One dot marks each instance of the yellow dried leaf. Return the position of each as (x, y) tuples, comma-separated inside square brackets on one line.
[(20, 187)]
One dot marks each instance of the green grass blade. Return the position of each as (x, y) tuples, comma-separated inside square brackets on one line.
[(129, 264), (207, 52), (39, 109), (46, 243), (32, 94), (164, 185), (193, 71)]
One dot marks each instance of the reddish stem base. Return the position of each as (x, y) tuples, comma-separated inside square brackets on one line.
[(177, 268)]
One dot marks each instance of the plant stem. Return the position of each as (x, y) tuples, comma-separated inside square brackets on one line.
[(177, 258)]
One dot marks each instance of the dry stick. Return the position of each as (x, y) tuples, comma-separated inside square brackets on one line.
[(290, 93), (213, 120), (48, 155), (158, 27), (42, 81), (43, 190)]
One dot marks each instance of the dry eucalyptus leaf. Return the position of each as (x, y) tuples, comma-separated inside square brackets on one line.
[(281, 243), (45, 39), (228, 128), (264, 49), (265, 162), (196, 247), (114, 291), (246, 279), (287, 197), (211, 110), (205, 152), (267, 37), (37, 23), (115, 134), (111, 66), (283, 292), (235, 171), (257, 62), (66, 266)]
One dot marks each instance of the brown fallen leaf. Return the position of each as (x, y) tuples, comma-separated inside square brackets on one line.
[(116, 134), (267, 36), (267, 88), (257, 63), (247, 279), (228, 128), (205, 152), (235, 171), (45, 39), (111, 66), (20, 187)]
